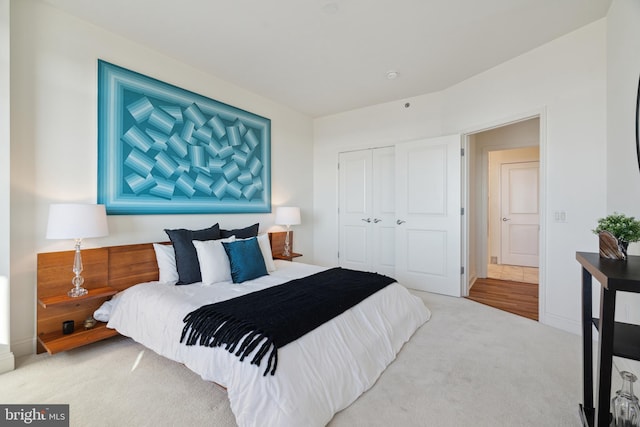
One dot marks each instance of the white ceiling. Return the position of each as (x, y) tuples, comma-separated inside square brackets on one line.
[(321, 57)]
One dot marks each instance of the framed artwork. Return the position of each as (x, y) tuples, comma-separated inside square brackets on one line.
[(166, 150)]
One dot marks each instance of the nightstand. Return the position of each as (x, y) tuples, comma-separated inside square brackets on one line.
[(287, 258), (52, 311), (277, 245), (54, 306)]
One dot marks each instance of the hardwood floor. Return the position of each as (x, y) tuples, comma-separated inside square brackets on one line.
[(515, 297)]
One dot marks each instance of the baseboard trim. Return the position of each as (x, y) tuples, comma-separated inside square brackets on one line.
[(472, 280), (7, 362), (560, 322), (24, 347)]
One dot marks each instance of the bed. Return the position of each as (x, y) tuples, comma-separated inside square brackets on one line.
[(318, 374)]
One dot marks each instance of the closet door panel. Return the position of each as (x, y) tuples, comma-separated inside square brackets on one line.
[(367, 210), (355, 252), (420, 242), (427, 165), (355, 210), (384, 205)]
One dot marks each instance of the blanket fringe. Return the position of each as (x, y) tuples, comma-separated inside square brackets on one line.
[(208, 328)]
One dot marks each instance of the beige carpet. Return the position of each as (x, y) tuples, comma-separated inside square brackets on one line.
[(470, 365)]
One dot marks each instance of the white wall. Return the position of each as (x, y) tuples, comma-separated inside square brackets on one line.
[(6, 356), (54, 149), (623, 177), (565, 82), (623, 68)]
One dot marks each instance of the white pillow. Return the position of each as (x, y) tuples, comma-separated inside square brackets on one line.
[(213, 260), (103, 313), (166, 258), (265, 248)]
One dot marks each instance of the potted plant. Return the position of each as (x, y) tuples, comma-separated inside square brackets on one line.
[(615, 232)]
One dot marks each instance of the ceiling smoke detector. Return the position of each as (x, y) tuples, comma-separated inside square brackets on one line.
[(330, 8), (392, 75)]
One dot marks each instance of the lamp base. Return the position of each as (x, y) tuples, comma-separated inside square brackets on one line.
[(77, 292), (287, 244)]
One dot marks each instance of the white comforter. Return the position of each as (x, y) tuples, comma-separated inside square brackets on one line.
[(318, 375)]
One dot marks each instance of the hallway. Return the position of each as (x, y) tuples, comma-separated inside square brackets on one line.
[(509, 288)]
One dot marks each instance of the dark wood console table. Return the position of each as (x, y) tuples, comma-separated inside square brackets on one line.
[(616, 339)]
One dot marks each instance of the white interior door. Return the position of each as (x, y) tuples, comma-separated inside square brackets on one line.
[(367, 210), (355, 215), (428, 215), (520, 221), (383, 223)]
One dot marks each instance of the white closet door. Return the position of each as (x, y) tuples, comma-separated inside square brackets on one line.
[(355, 210), (384, 208), (367, 210), (428, 212)]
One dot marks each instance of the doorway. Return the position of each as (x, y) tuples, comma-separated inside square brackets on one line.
[(503, 231)]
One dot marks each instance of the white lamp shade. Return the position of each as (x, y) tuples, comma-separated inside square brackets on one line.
[(287, 215), (76, 221)]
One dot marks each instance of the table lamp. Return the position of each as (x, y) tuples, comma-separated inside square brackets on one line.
[(287, 215), (77, 221)]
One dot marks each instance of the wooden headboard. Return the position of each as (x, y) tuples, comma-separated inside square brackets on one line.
[(106, 271), (117, 266)]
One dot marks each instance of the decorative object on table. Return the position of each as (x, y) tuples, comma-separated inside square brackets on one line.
[(287, 215), (615, 232), (610, 247), (77, 221), (68, 327), (89, 322), (166, 150), (625, 408)]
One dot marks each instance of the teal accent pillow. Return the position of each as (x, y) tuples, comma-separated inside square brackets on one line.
[(245, 259)]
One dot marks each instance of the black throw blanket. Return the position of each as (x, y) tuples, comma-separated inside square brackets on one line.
[(276, 316)]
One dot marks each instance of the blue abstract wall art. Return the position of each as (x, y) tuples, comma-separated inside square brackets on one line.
[(166, 150)]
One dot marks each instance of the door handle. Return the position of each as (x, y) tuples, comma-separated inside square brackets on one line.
[(366, 219), (400, 222), (376, 220), (506, 219)]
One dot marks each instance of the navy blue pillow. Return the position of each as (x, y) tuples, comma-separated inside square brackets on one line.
[(241, 233), (186, 256), (245, 259)]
